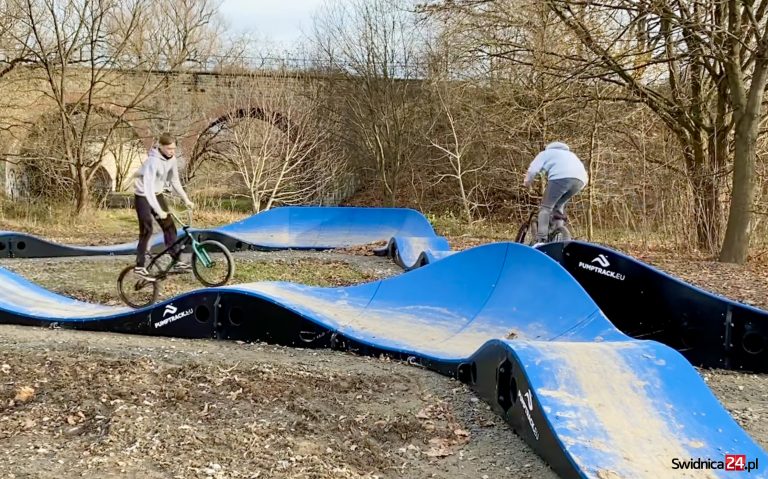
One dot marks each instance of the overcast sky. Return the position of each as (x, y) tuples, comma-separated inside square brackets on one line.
[(279, 20)]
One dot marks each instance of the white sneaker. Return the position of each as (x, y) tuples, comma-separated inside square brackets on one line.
[(537, 244), (142, 272), (181, 267)]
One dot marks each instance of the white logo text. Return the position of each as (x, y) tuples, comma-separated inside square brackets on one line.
[(173, 318), (604, 272), (528, 407)]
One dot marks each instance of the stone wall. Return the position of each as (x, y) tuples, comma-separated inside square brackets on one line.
[(185, 104)]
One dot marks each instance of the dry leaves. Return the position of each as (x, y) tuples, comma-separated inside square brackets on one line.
[(440, 447), (461, 243), (24, 394), (433, 419), (744, 283), (77, 418), (364, 250)]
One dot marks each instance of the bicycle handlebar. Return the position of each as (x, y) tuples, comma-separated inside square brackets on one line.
[(176, 218)]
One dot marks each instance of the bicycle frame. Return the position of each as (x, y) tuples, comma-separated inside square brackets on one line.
[(181, 242), (532, 220), (555, 216)]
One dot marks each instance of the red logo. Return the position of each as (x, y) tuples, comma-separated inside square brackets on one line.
[(735, 462)]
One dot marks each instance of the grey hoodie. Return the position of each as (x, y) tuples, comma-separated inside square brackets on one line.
[(559, 163), (153, 175)]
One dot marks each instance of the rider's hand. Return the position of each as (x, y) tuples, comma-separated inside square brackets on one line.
[(190, 205), (162, 215)]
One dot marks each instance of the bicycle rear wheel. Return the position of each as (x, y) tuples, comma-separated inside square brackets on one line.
[(560, 233), (212, 263), (521, 232), (526, 234), (136, 291)]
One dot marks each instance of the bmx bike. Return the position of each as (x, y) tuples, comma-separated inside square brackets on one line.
[(212, 265), (558, 229)]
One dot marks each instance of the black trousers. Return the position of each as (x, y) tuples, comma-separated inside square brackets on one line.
[(146, 214)]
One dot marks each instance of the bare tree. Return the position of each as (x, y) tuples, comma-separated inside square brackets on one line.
[(125, 150), (699, 66), (12, 52), (715, 58), (85, 47), (453, 134), (520, 105), (271, 139), (374, 44)]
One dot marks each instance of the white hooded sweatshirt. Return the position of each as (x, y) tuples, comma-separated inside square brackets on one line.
[(558, 162), (153, 175)]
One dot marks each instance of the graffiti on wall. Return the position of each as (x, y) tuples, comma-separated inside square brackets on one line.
[(16, 182)]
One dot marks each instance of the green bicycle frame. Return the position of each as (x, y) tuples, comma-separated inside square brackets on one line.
[(201, 253), (197, 250)]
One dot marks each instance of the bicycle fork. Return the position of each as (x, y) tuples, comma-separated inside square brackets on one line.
[(201, 253)]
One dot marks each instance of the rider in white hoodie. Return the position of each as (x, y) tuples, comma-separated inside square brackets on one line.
[(566, 176), (160, 168)]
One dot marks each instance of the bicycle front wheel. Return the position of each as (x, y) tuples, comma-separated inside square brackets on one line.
[(212, 263), (136, 291)]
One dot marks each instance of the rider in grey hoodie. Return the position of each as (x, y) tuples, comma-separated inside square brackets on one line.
[(160, 167), (566, 176)]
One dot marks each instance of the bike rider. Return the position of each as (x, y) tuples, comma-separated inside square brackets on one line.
[(566, 177), (159, 169)]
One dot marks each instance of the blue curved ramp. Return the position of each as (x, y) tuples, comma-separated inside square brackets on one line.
[(310, 227), (633, 409), (21, 245), (411, 252), (300, 227), (504, 318), (646, 303)]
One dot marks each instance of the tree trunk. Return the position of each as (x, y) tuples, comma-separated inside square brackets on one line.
[(708, 216), (701, 165), (592, 167), (464, 199), (81, 201), (747, 114), (736, 243), (392, 198)]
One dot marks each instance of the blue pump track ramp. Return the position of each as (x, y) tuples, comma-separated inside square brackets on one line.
[(411, 252), (504, 318), (304, 227), (642, 301)]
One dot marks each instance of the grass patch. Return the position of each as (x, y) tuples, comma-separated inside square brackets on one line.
[(95, 226), (96, 280), (304, 271), (451, 226)]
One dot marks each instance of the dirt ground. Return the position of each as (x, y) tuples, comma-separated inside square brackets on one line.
[(78, 404)]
